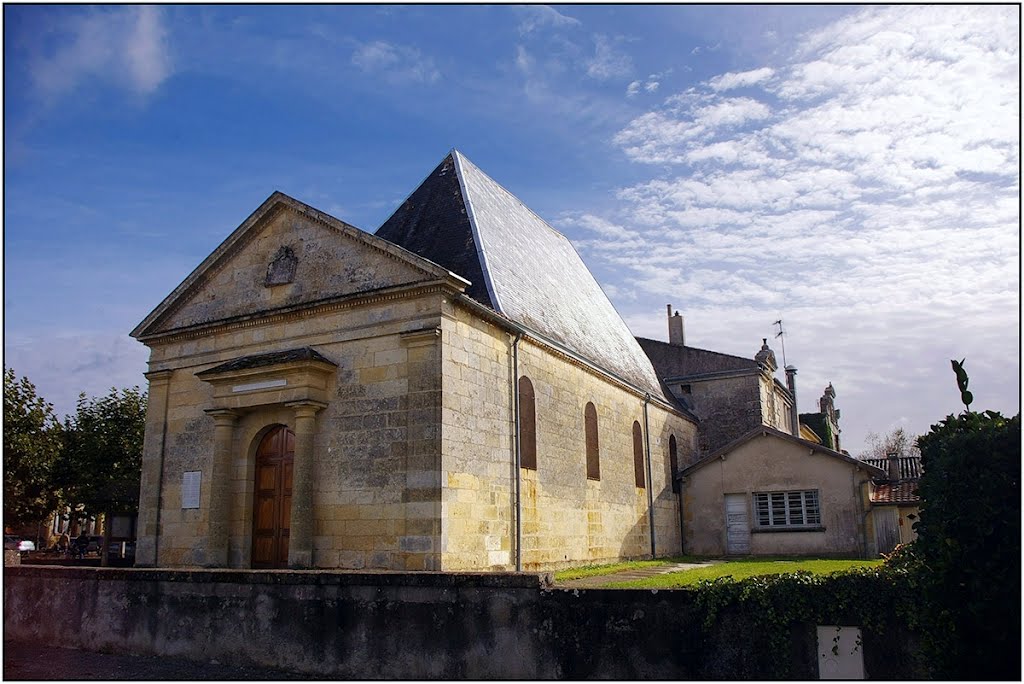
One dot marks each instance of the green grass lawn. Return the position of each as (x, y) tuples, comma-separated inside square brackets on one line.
[(743, 568)]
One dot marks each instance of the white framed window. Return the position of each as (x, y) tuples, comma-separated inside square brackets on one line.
[(787, 509)]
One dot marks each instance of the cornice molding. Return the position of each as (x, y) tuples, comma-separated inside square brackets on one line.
[(296, 312)]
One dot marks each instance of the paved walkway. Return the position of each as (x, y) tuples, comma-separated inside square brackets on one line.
[(630, 575)]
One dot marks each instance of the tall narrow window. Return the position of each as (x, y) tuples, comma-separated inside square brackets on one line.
[(673, 462), (638, 454), (527, 425), (593, 452)]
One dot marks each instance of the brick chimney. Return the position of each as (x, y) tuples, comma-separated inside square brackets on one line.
[(894, 466), (791, 384), (675, 328)]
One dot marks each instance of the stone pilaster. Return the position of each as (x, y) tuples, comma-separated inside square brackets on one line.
[(148, 528), (300, 534), (218, 523)]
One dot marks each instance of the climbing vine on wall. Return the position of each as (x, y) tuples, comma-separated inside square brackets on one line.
[(877, 599)]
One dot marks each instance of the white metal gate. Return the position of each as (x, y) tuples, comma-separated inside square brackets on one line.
[(737, 526)]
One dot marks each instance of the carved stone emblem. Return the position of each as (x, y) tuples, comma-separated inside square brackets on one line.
[(282, 269)]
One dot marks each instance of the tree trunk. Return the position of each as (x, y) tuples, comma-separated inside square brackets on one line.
[(105, 547)]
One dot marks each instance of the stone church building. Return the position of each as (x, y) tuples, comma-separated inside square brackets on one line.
[(454, 392)]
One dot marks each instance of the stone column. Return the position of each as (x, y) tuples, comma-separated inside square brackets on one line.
[(151, 485), (300, 533), (218, 517)]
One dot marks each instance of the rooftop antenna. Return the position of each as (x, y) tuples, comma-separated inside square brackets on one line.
[(781, 334)]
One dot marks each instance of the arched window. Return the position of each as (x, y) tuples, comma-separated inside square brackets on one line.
[(673, 462), (593, 452), (527, 425), (638, 454)]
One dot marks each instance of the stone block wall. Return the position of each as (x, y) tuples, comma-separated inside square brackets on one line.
[(376, 497), (776, 406), (728, 408), (413, 626), (567, 518)]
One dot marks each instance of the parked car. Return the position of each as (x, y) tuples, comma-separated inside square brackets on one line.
[(16, 543)]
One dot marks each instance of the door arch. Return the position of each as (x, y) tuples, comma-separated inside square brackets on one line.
[(272, 498)]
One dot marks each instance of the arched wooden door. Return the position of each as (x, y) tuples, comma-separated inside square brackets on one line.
[(272, 504)]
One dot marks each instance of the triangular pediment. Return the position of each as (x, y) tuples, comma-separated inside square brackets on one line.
[(286, 255)]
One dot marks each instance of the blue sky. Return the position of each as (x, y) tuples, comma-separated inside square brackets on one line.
[(852, 170)]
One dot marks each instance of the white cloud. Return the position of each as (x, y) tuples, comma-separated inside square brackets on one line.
[(741, 79), (96, 361), (608, 63), (397, 63), (731, 112), (543, 16), (866, 191), (650, 84), (126, 46)]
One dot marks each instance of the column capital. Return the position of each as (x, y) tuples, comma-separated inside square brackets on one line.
[(159, 375), (306, 407), (222, 416)]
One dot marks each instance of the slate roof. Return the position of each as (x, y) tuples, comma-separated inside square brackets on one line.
[(675, 361), (518, 265), (910, 466)]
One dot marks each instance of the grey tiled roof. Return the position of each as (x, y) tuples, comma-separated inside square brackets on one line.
[(674, 361), (518, 265)]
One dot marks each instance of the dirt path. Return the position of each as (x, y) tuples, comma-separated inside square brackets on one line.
[(630, 575)]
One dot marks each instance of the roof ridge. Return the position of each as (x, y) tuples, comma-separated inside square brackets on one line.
[(511, 194), (457, 159), (700, 349)]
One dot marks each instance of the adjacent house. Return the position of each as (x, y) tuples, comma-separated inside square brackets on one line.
[(895, 503), (825, 423), (730, 394), (767, 480), (454, 392), (770, 493)]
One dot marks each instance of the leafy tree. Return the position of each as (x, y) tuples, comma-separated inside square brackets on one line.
[(102, 462), (896, 440), (32, 445), (969, 545)]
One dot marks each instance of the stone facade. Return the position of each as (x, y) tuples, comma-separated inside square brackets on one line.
[(825, 422), (399, 392), (730, 394), (567, 518)]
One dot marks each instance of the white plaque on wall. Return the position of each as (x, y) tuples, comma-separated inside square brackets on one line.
[(190, 489)]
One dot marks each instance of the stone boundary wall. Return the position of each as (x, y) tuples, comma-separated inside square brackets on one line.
[(392, 625)]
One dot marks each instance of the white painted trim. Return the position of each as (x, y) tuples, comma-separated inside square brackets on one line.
[(266, 384)]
